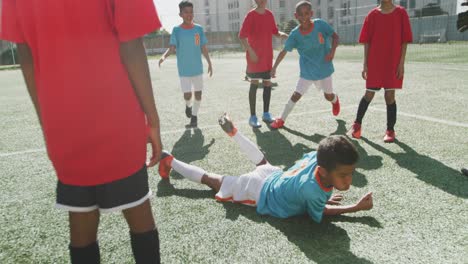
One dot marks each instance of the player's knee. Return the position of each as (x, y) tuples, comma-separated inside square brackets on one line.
[(369, 96), (187, 96), (198, 96), (256, 82), (329, 97), (296, 97), (389, 98), (266, 83)]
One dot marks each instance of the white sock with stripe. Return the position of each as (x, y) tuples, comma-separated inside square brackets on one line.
[(196, 107), (287, 109), (249, 148), (189, 172)]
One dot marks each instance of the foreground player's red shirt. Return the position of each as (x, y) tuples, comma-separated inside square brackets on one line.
[(258, 29), (93, 124), (385, 34)]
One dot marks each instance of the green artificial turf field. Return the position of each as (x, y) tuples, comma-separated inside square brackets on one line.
[(420, 198)]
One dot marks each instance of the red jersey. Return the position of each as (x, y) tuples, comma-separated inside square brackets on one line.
[(385, 34), (258, 29), (93, 124)]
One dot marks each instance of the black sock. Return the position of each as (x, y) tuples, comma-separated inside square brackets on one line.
[(391, 116), (145, 247), (362, 110), (266, 98), (253, 98), (86, 255)]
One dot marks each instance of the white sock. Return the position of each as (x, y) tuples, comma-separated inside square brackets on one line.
[(249, 148), (190, 172), (334, 99), (287, 109), (188, 103), (196, 107)]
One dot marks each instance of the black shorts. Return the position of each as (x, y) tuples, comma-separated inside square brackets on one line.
[(259, 76), (114, 196)]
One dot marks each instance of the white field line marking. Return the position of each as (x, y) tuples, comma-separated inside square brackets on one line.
[(425, 118)]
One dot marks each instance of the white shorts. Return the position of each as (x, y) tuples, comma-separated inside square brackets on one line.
[(325, 85), (193, 83), (245, 189)]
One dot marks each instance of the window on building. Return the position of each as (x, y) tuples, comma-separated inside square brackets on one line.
[(282, 3)]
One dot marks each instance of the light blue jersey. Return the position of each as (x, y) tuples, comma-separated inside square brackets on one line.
[(295, 192), (188, 43), (312, 48)]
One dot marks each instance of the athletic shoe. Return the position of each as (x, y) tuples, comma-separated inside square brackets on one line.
[(188, 111), (389, 136), (165, 165), (336, 106), (226, 124), (267, 118), (253, 122), (356, 130), (278, 123), (194, 121), (464, 171)]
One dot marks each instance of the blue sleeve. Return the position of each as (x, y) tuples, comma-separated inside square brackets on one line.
[(291, 42), (173, 41), (203, 39), (315, 203), (327, 29)]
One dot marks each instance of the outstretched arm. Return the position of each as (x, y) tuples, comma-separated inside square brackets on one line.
[(207, 57), (335, 42), (133, 57), (27, 66), (280, 58), (282, 35), (365, 203), (171, 50)]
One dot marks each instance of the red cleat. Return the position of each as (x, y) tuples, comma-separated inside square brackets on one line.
[(389, 136), (278, 123), (356, 131), (165, 165), (336, 106)]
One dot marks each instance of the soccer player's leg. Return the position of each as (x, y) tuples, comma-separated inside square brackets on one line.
[(254, 81), (186, 87), (391, 115), (326, 85), (249, 148), (267, 117), (197, 82), (302, 87), (362, 109), (84, 247)]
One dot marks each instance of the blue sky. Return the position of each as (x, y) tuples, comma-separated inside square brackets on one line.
[(168, 11)]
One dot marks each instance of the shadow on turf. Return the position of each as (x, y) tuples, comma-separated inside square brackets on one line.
[(280, 151), (322, 243), (427, 169), (191, 147)]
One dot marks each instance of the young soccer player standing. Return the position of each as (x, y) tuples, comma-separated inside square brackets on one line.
[(256, 37), (86, 71), (386, 33), (305, 188), (189, 40), (312, 41)]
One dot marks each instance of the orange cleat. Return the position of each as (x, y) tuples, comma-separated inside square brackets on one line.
[(389, 136), (336, 106), (165, 165), (356, 131), (278, 123)]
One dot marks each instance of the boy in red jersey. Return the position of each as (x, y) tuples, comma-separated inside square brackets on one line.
[(386, 33), (86, 71), (257, 29)]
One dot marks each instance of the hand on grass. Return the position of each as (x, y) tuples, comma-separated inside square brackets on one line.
[(400, 71), (335, 199), (365, 203), (156, 146)]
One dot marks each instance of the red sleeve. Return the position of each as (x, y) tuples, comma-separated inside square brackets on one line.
[(407, 34), (364, 37), (274, 27), (134, 18), (246, 26), (10, 29)]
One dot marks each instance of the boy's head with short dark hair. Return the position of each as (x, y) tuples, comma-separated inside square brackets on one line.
[(304, 12), (183, 4), (303, 4), (336, 159), (186, 11)]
